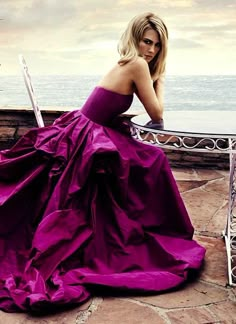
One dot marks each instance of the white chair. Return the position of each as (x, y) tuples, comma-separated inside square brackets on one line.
[(30, 90)]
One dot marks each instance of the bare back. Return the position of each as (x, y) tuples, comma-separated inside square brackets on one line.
[(119, 80), (131, 77)]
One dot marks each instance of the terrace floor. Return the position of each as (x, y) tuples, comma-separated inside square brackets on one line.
[(207, 299)]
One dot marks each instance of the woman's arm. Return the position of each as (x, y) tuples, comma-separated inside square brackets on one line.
[(152, 101), (158, 86)]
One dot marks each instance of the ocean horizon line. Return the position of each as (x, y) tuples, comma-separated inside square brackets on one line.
[(99, 75)]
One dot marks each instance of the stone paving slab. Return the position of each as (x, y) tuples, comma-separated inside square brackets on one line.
[(66, 317), (205, 193), (117, 311), (207, 299), (198, 174), (215, 269), (199, 202), (225, 312), (191, 295), (192, 315)]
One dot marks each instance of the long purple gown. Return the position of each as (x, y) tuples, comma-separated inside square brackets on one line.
[(84, 205)]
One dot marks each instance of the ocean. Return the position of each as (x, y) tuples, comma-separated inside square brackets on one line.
[(214, 92)]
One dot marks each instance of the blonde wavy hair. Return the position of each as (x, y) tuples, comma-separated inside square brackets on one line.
[(129, 42)]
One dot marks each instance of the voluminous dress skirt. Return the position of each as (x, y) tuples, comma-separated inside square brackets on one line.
[(83, 205)]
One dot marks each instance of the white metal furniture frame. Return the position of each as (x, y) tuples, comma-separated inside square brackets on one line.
[(30, 90), (200, 132)]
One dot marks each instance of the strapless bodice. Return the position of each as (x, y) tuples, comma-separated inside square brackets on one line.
[(103, 105)]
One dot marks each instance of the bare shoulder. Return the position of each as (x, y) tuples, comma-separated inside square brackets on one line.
[(139, 63), (139, 67), (139, 72)]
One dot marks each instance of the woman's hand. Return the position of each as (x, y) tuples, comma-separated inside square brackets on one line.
[(155, 125)]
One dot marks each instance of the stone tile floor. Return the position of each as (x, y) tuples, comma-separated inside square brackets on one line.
[(207, 299)]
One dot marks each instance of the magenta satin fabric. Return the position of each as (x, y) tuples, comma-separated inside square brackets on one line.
[(84, 205)]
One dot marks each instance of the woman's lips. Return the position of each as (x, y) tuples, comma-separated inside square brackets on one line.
[(148, 57)]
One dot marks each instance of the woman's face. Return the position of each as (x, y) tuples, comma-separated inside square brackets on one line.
[(150, 45)]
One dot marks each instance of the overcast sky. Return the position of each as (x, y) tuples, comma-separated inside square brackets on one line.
[(81, 36)]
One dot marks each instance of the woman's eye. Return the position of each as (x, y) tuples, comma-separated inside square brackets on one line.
[(147, 41)]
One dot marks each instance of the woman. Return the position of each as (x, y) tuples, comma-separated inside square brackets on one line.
[(84, 205), (143, 49)]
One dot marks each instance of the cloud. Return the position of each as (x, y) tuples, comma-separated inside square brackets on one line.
[(213, 28), (182, 43), (208, 34), (159, 4), (61, 33), (216, 4), (37, 14)]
